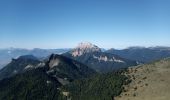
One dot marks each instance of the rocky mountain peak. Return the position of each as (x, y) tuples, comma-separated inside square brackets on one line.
[(85, 47)]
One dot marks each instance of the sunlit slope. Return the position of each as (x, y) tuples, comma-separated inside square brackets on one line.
[(149, 82)]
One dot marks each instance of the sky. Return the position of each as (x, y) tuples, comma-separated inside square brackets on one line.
[(65, 23)]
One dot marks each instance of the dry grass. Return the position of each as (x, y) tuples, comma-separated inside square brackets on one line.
[(149, 82)]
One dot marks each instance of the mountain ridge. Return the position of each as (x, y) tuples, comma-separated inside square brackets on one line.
[(19, 65), (92, 56), (9, 53), (142, 54)]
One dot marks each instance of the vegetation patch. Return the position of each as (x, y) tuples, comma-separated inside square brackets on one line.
[(98, 87)]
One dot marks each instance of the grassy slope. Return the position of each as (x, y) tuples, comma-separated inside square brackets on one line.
[(149, 82)]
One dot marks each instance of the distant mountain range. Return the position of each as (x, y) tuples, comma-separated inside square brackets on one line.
[(139, 54), (88, 73), (8, 54), (93, 56), (62, 78), (142, 54)]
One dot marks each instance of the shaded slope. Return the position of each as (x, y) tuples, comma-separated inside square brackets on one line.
[(31, 85), (66, 68), (103, 62), (99, 87), (18, 65), (43, 83)]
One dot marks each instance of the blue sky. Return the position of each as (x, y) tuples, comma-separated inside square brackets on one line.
[(65, 23)]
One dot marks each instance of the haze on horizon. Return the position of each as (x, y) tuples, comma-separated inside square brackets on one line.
[(65, 23)]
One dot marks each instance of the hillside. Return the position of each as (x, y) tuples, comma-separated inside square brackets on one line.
[(98, 87), (65, 69), (31, 85), (149, 82)]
